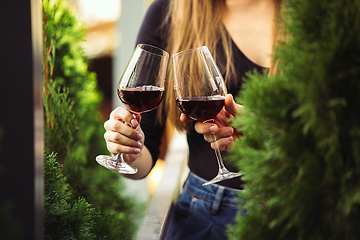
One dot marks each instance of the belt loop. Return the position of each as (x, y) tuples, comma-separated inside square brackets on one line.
[(218, 197)]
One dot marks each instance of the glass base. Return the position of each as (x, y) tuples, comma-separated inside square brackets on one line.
[(116, 164), (221, 177)]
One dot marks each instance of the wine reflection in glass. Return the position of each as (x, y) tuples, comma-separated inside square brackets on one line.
[(141, 89), (200, 93)]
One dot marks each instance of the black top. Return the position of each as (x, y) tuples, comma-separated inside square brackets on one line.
[(202, 159)]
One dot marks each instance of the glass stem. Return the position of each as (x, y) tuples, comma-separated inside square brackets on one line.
[(222, 168), (119, 158)]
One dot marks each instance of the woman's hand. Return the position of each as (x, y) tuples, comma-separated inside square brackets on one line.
[(123, 134), (224, 133)]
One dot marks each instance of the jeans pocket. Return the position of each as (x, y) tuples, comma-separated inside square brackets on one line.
[(183, 211), (185, 203)]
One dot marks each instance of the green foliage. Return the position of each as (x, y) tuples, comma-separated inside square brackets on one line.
[(64, 220), (74, 131), (300, 153), (59, 130)]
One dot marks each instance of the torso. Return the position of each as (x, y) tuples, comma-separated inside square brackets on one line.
[(248, 54)]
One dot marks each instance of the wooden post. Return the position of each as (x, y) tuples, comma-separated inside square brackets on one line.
[(21, 120)]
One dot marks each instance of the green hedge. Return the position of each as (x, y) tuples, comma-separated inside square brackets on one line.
[(83, 199), (301, 150)]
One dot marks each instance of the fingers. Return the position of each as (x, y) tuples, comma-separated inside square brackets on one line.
[(220, 128), (117, 129), (224, 136), (123, 133), (120, 143), (224, 144), (204, 128), (122, 115)]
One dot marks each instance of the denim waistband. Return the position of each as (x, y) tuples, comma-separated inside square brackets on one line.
[(213, 192)]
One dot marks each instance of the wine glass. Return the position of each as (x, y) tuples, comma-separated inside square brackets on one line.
[(200, 93), (141, 89)]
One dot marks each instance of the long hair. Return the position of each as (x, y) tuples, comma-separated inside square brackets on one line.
[(279, 35), (194, 23)]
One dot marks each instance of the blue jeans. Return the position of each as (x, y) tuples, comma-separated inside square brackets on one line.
[(203, 212)]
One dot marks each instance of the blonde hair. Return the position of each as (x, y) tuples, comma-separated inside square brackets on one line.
[(194, 23), (279, 36)]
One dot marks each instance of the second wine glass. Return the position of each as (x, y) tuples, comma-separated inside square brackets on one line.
[(140, 89), (200, 93)]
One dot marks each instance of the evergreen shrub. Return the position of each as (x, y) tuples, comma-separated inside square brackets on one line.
[(88, 200), (64, 220), (301, 150)]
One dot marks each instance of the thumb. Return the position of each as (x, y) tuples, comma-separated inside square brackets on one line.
[(231, 106), (185, 119)]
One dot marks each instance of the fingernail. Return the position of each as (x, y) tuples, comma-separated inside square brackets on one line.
[(230, 131), (212, 129), (138, 144), (134, 122), (139, 136), (137, 150)]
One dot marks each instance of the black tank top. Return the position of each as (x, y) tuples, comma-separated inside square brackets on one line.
[(202, 159)]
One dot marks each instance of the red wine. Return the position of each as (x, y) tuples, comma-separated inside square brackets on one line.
[(141, 99), (201, 108)]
